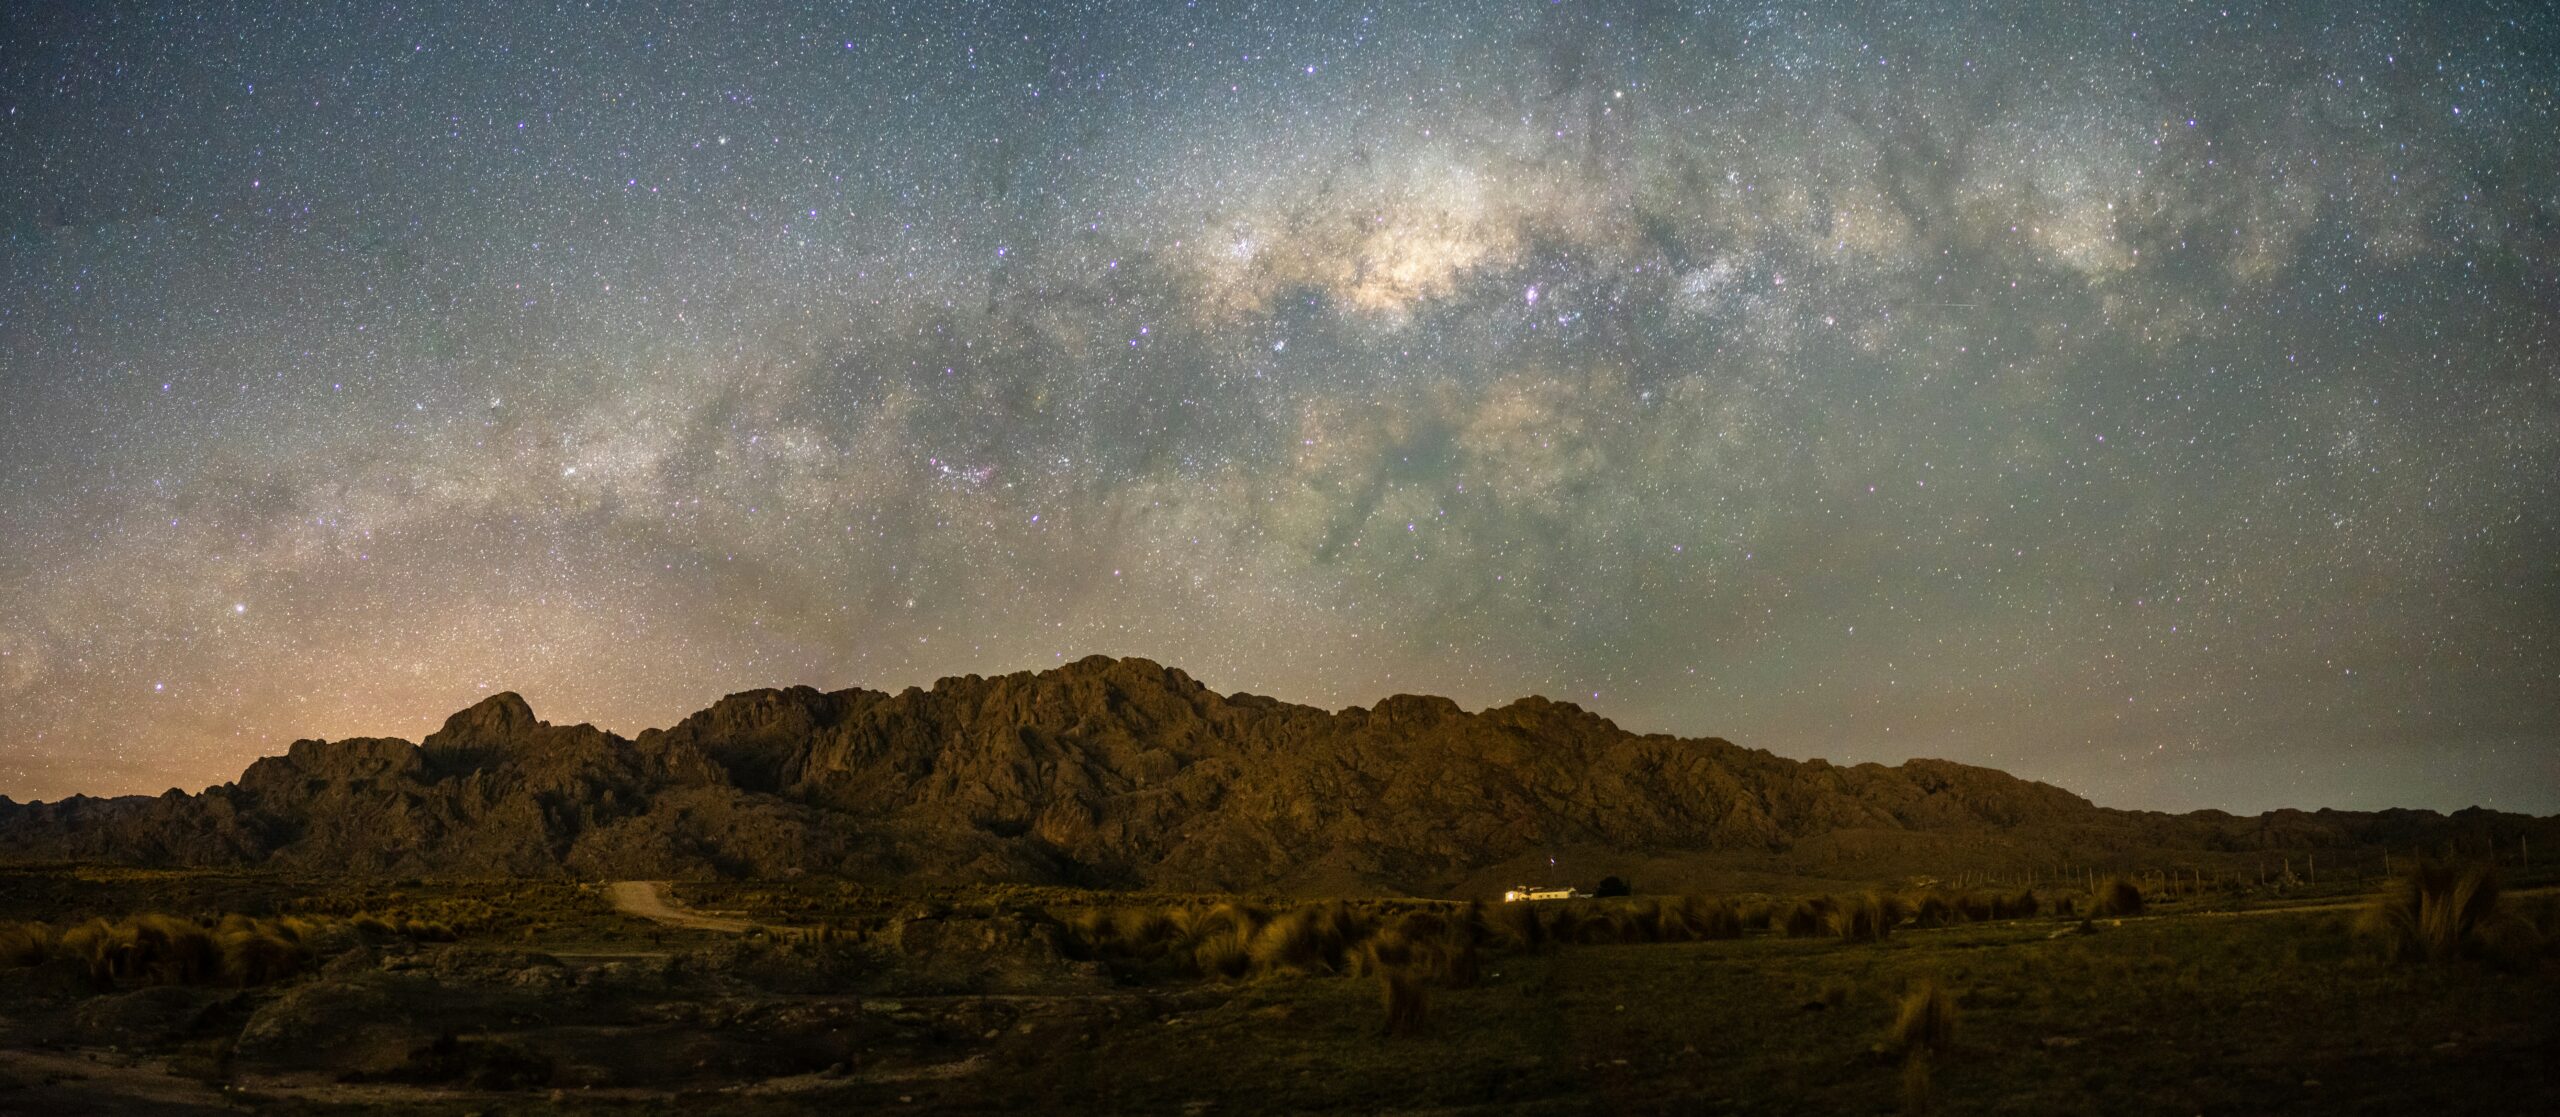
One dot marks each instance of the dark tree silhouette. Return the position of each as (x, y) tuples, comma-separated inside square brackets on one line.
[(1611, 886)]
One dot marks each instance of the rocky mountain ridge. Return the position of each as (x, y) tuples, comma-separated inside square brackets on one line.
[(1124, 773)]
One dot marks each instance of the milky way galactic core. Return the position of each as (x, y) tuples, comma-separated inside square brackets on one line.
[(2157, 401)]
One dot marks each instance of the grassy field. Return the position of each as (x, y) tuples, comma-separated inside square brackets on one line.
[(1009, 999), (2264, 1015)]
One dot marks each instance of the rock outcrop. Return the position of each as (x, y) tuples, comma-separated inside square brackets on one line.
[(1120, 773)]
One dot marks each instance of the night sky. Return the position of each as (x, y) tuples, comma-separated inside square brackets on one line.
[(2163, 402)]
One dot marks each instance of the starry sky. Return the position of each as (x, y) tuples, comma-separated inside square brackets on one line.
[(2162, 401)]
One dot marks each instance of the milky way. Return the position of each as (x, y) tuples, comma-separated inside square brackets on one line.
[(2159, 402)]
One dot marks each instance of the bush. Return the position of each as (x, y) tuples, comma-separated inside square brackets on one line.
[(1612, 886), (2435, 913)]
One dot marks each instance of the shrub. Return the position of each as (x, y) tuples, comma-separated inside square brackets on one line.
[(2117, 896), (2437, 912), (1612, 886)]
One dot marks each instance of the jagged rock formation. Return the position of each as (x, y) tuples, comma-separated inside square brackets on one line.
[(1124, 773)]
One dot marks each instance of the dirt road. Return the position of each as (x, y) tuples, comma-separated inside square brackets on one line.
[(647, 899)]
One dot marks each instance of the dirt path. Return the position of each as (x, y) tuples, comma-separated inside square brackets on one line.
[(647, 899)]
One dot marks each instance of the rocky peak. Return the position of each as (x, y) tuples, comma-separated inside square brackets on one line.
[(494, 720), (1124, 772)]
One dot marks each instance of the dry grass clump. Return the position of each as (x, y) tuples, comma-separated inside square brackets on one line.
[(1806, 918), (2117, 897), (159, 949), (1757, 916), (1923, 1029), (27, 944), (1406, 1002), (1314, 938), (1863, 918), (2024, 905), (1946, 909), (1227, 940), (1521, 927), (1701, 918), (2438, 912), (1425, 948), (1925, 1022)]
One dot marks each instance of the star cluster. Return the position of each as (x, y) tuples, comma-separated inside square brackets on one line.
[(2162, 401)]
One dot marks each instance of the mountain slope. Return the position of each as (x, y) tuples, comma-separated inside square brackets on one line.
[(1123, 773)]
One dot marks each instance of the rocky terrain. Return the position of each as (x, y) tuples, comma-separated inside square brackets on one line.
[(1123, 773)]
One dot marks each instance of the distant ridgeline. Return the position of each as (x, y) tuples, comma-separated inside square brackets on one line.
[(1122, 773)]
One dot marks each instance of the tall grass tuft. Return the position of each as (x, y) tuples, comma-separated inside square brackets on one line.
[(1925, 1022), (1313, 938), (1224, 952), (1865, 918), (2117, 896), (1521, 927), (256, 956), (1704, 917), (1923, 1029), (26, 944), (159, 949), (2439, 911), (1806, 919), (1406, 1002)]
